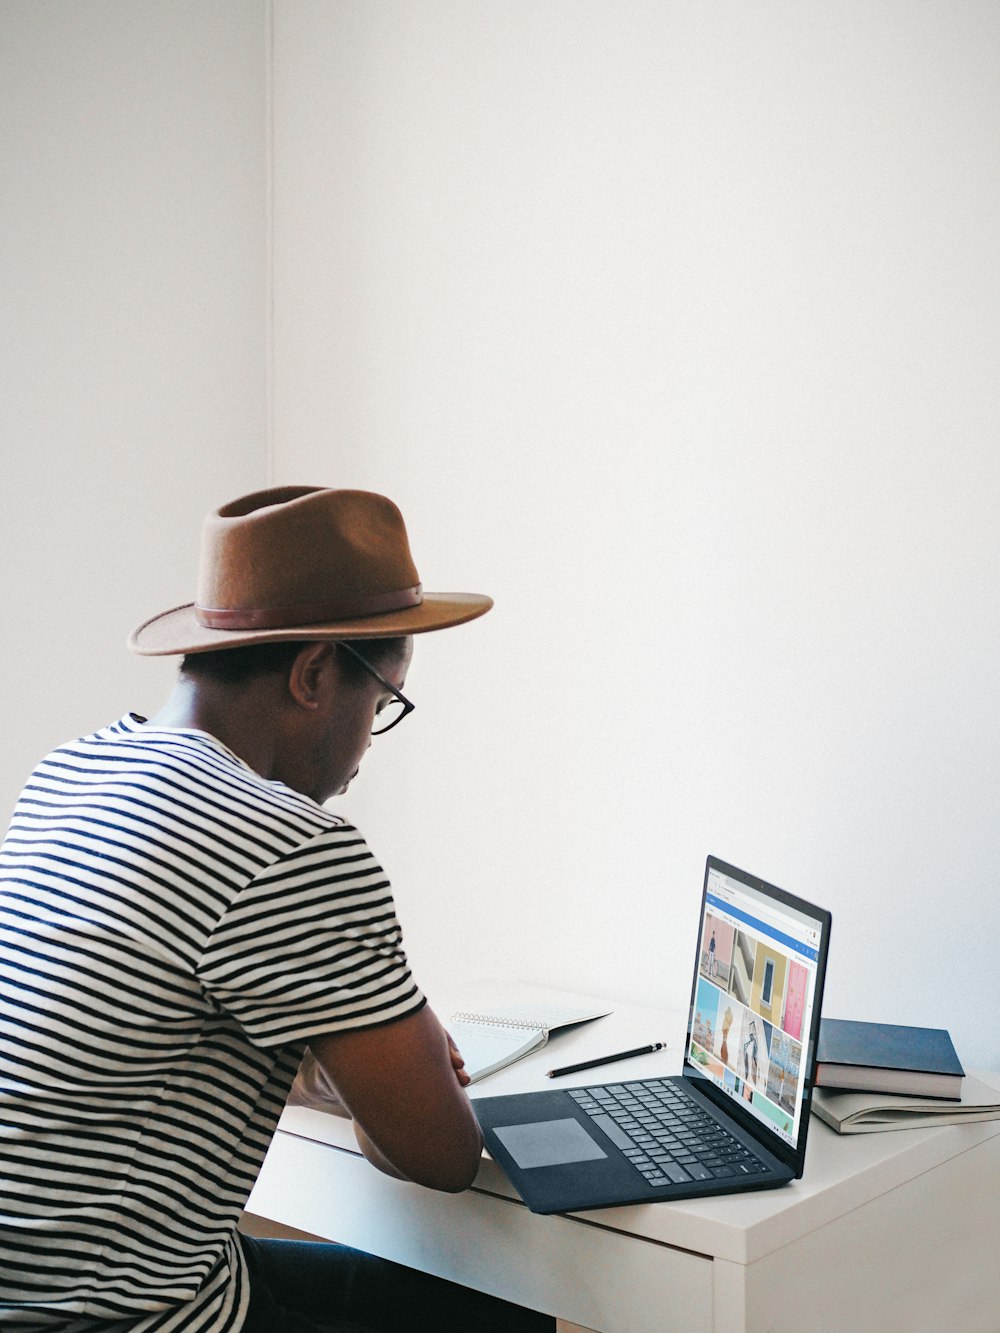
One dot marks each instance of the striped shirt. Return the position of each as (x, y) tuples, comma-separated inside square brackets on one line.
[(173, 929)]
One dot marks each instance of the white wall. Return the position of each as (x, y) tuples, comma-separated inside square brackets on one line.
[(133, 266), (675, 327)]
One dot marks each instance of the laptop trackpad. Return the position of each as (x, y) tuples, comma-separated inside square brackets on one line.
[(548, 1143)]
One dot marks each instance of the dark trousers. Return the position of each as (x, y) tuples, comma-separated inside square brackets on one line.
[(308, 1287)]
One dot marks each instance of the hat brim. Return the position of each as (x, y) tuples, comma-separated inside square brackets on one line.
[(178, 631)]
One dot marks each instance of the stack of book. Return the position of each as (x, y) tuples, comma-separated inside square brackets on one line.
[(876, 1076)]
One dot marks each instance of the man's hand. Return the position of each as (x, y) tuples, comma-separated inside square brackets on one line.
[(457, 1063)]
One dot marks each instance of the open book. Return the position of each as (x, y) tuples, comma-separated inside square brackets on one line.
[(868, 1112), (508, 1023)]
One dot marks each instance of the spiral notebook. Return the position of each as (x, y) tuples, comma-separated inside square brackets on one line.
[(503, 1029)]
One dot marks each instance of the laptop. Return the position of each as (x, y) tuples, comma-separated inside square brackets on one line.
[(737, 1116)]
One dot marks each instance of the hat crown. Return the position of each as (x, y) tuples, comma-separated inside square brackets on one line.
[(297, 555)]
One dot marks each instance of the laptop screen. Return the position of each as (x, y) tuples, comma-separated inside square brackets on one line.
[(755, 1003)]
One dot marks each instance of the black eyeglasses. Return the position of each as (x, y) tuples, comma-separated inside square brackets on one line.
[(390, 713)]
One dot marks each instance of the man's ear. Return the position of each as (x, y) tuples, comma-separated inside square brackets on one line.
[(312, 674)]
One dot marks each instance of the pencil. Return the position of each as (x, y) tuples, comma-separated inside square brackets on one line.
[(606, 1060)]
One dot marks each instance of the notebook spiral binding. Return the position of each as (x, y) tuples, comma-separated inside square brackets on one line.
[(492, 1020)]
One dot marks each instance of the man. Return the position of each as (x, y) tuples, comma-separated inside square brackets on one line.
[(180, 918)]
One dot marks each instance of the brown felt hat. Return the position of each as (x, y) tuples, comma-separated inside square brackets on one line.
[(304, 562)]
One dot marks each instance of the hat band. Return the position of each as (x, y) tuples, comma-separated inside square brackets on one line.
[(308, 613)]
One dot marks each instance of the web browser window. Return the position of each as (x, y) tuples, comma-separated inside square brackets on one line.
[(753, 1001)]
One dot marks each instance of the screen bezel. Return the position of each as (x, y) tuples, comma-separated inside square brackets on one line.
[(792, 1155)]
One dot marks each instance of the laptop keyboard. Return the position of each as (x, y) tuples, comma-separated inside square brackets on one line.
[(664, 1134)]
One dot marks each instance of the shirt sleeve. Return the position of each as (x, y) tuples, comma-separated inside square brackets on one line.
[(312, 945)]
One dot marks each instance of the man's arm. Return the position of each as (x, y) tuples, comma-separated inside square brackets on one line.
[(403, 1087)]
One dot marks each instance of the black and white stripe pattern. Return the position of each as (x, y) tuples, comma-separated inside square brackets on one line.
[(173, 928)]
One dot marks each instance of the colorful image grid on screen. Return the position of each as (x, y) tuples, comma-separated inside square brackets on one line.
[(753, 998)]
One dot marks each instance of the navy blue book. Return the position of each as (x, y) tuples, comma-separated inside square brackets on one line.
[(885, 1057)]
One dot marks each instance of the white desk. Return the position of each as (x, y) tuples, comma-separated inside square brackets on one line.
[(891, 1232)]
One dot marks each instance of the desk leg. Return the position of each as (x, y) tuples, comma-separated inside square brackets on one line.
[(729, 1296), (921, 1256)]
